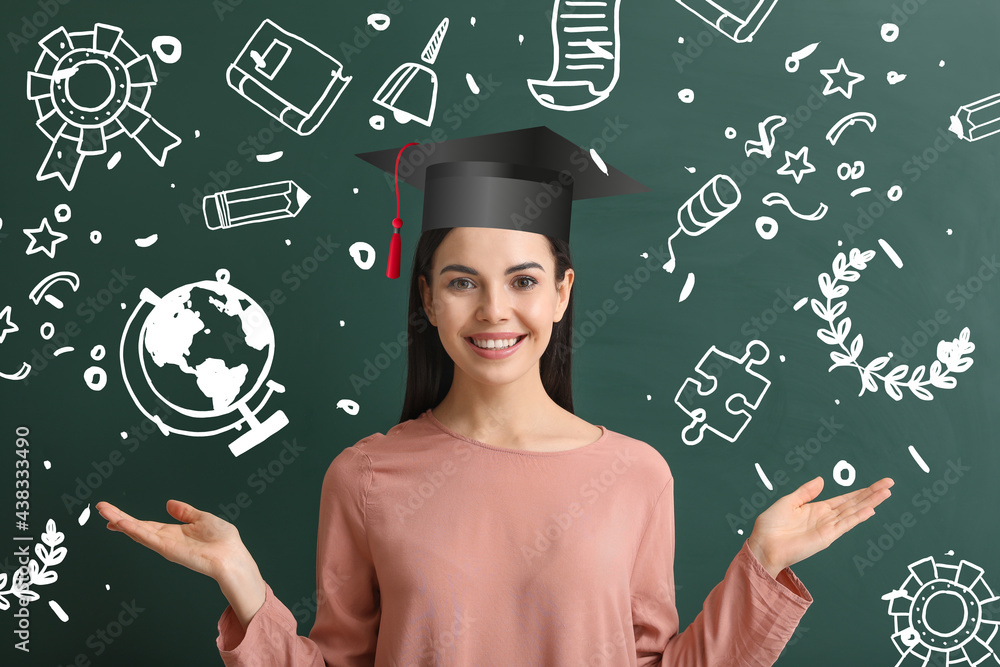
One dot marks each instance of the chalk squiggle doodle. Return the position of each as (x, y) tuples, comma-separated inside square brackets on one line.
[(585, 56), (67, 113), (917, 640), (766, 130), (950, 355), (773, 198), (858, 116)]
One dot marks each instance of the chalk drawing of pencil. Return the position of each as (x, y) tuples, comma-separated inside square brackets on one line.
[(977, 119), (286, 76), (257, 203), (737, 28)]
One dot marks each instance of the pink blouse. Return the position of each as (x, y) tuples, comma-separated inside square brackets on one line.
[(436, 549)]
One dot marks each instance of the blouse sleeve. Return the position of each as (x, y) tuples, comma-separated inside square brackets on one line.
[(348, 609), (745, 621)]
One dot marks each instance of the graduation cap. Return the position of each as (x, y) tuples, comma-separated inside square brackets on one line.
[(523, 179)]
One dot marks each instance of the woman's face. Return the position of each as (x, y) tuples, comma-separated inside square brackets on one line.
[(494, 284)]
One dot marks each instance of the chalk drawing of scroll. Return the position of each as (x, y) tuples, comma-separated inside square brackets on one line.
[(585, 45), (732, 23)]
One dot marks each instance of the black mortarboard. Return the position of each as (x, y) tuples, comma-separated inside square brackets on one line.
[(523, 179)]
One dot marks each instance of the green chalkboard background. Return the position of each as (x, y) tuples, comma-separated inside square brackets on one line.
[(629, 364)]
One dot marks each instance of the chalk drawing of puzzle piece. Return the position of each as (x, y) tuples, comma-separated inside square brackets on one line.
[(719, 399)]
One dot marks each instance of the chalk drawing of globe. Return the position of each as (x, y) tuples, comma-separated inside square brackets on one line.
[(212, 344)]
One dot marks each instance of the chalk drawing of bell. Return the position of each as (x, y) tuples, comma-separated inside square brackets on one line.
[(202, 354)]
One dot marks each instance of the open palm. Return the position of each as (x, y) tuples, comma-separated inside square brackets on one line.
[(204, 542), (793, 528)]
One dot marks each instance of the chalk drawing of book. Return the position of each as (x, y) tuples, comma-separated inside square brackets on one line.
[(977, 119), (289, 78), (735, 22), (585, 58)]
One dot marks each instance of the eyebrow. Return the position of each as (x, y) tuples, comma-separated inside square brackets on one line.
[(514, 269)]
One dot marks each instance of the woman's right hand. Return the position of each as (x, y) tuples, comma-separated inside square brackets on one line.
[(204, 543)]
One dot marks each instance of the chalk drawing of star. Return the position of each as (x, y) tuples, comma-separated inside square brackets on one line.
[(9, 327), (48, 248), (841, 68), (803, 157)]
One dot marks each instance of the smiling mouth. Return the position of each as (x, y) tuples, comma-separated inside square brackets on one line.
[(495, 346)]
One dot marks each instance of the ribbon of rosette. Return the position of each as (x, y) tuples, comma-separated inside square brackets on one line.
[(89, 87)]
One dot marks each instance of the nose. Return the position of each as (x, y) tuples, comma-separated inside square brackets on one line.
[(494, 303)]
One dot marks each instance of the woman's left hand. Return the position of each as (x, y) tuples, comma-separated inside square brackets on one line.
[(792, 529)]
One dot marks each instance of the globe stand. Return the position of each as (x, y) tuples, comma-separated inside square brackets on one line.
[(259, 430)]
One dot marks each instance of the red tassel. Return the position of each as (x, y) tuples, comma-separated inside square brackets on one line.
[(395, 249), (396, 243)]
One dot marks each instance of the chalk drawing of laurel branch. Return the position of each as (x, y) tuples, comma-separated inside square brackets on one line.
[(49, 553), (950, 355)]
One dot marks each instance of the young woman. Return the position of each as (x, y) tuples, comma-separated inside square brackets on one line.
[(492, 526)]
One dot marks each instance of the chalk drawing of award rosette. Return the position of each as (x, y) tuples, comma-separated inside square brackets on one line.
[(950, 359), (938, 611), (49, 555), (89, 87), (210, 347)]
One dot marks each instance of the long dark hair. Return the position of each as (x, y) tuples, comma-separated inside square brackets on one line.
[(429, 368)]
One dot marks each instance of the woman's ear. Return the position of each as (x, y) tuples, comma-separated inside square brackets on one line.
[(427, 299), (564, 288)]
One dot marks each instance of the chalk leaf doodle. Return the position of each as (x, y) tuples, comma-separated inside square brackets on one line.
[(961, 633), (49, 555), (89, 87), (585, 56), (950, 359)]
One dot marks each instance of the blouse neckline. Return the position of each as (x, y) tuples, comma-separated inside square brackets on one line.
[(524, 452)]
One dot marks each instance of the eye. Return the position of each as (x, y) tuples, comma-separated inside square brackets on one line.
[(454, 282), (531, 282)]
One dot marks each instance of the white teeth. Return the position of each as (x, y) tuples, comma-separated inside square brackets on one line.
[(494, 344)]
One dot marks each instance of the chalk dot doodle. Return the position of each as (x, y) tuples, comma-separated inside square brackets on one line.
[(167, 48), (686, 96), (95, 237), (846, 171), (378, 21), (97, 353), (895, 193), (767, 227), (377, 122), (844, 473), (63, 213), (368, 260), (686, 290), (95, 377), (348, 406), (47, 331), (890, 31), (938, 614), (730, 133), (950, 356), (471, 82), (114, 160), (894, 77)]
